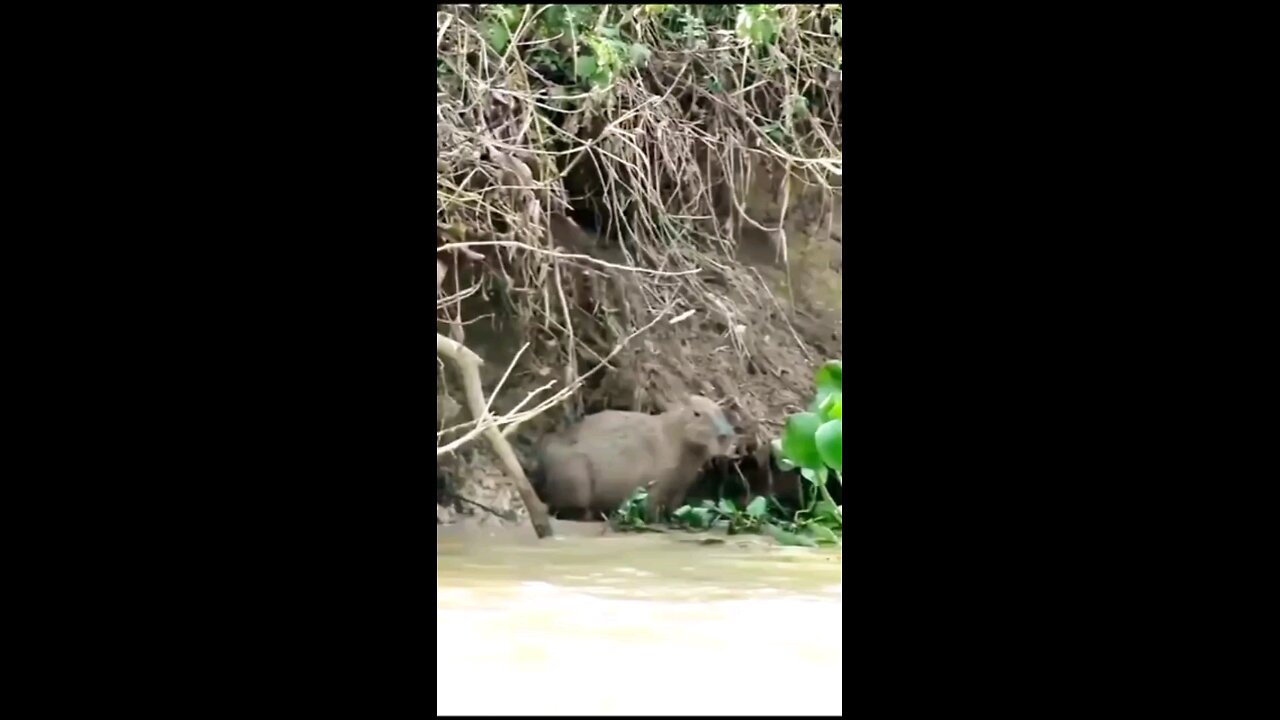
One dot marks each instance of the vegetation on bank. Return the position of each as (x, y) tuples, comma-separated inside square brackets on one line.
[(652, 124), (811, 442)]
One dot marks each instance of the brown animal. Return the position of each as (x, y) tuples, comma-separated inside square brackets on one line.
[(591, 468)]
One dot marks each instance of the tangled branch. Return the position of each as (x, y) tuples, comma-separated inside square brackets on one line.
[(655, 121)]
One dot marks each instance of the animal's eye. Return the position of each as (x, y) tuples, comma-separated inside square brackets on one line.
[(697, 414)]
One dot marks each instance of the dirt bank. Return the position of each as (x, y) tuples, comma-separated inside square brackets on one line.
[(668, 224)]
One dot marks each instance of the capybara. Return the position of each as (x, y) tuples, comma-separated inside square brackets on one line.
[(592, 467)]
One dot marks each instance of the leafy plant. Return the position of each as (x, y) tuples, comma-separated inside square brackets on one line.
[(758, 23), (813, 442), (631, 513)]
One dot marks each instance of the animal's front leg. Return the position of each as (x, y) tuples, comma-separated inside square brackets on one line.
[(655, 503), (675, 497)]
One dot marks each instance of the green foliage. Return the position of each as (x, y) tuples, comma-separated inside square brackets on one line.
[(758, 23), (591, 45), (829, 444), (812, 442), (798, 440), (630, 514)]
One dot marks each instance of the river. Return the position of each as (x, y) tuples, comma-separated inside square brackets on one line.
[(655, 624)]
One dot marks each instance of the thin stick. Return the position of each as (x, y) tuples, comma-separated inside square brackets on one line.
[(468, 364)]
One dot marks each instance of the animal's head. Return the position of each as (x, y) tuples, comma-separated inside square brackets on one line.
[(706, 426)]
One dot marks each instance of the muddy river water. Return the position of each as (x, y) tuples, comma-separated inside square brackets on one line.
[(634, 624)]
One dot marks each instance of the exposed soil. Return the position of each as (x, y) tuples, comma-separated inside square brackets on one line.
[(756, 358)]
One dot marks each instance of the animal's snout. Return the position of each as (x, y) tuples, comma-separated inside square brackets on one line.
[(723, 428)]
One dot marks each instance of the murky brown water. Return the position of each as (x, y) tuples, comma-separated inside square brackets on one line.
[(634, 624)]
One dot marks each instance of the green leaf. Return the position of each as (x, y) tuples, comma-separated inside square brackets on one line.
[(823, 534), (602, 78), (826, 509), (758, 507), (586, 67), (830, 445), (498, 37), (727, 507), (764, 30), (829, 402), (781, 457), (639, 55), (788, 538), (700, 518), (829, 379), (816, 476), (798, 444)]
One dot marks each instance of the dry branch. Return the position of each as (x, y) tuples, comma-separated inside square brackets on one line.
[(669, 168), (468, 364)]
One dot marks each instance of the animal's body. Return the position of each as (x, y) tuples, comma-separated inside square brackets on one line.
[(591, 468)]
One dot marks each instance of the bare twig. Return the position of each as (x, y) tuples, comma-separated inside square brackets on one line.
[(567, 256)]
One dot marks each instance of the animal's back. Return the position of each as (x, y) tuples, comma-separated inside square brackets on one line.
[(602, 459)]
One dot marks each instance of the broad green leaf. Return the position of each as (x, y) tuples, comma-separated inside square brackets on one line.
[(780, 457), (823, 534), (830, 444), (826, 408), (498, 37), (817, 476), (586, 67), (831, 373), (727, 507), (829, 379), (701, 517), (788, 538), (758, 507), (764, 30), (798, 444), (602, 78)]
